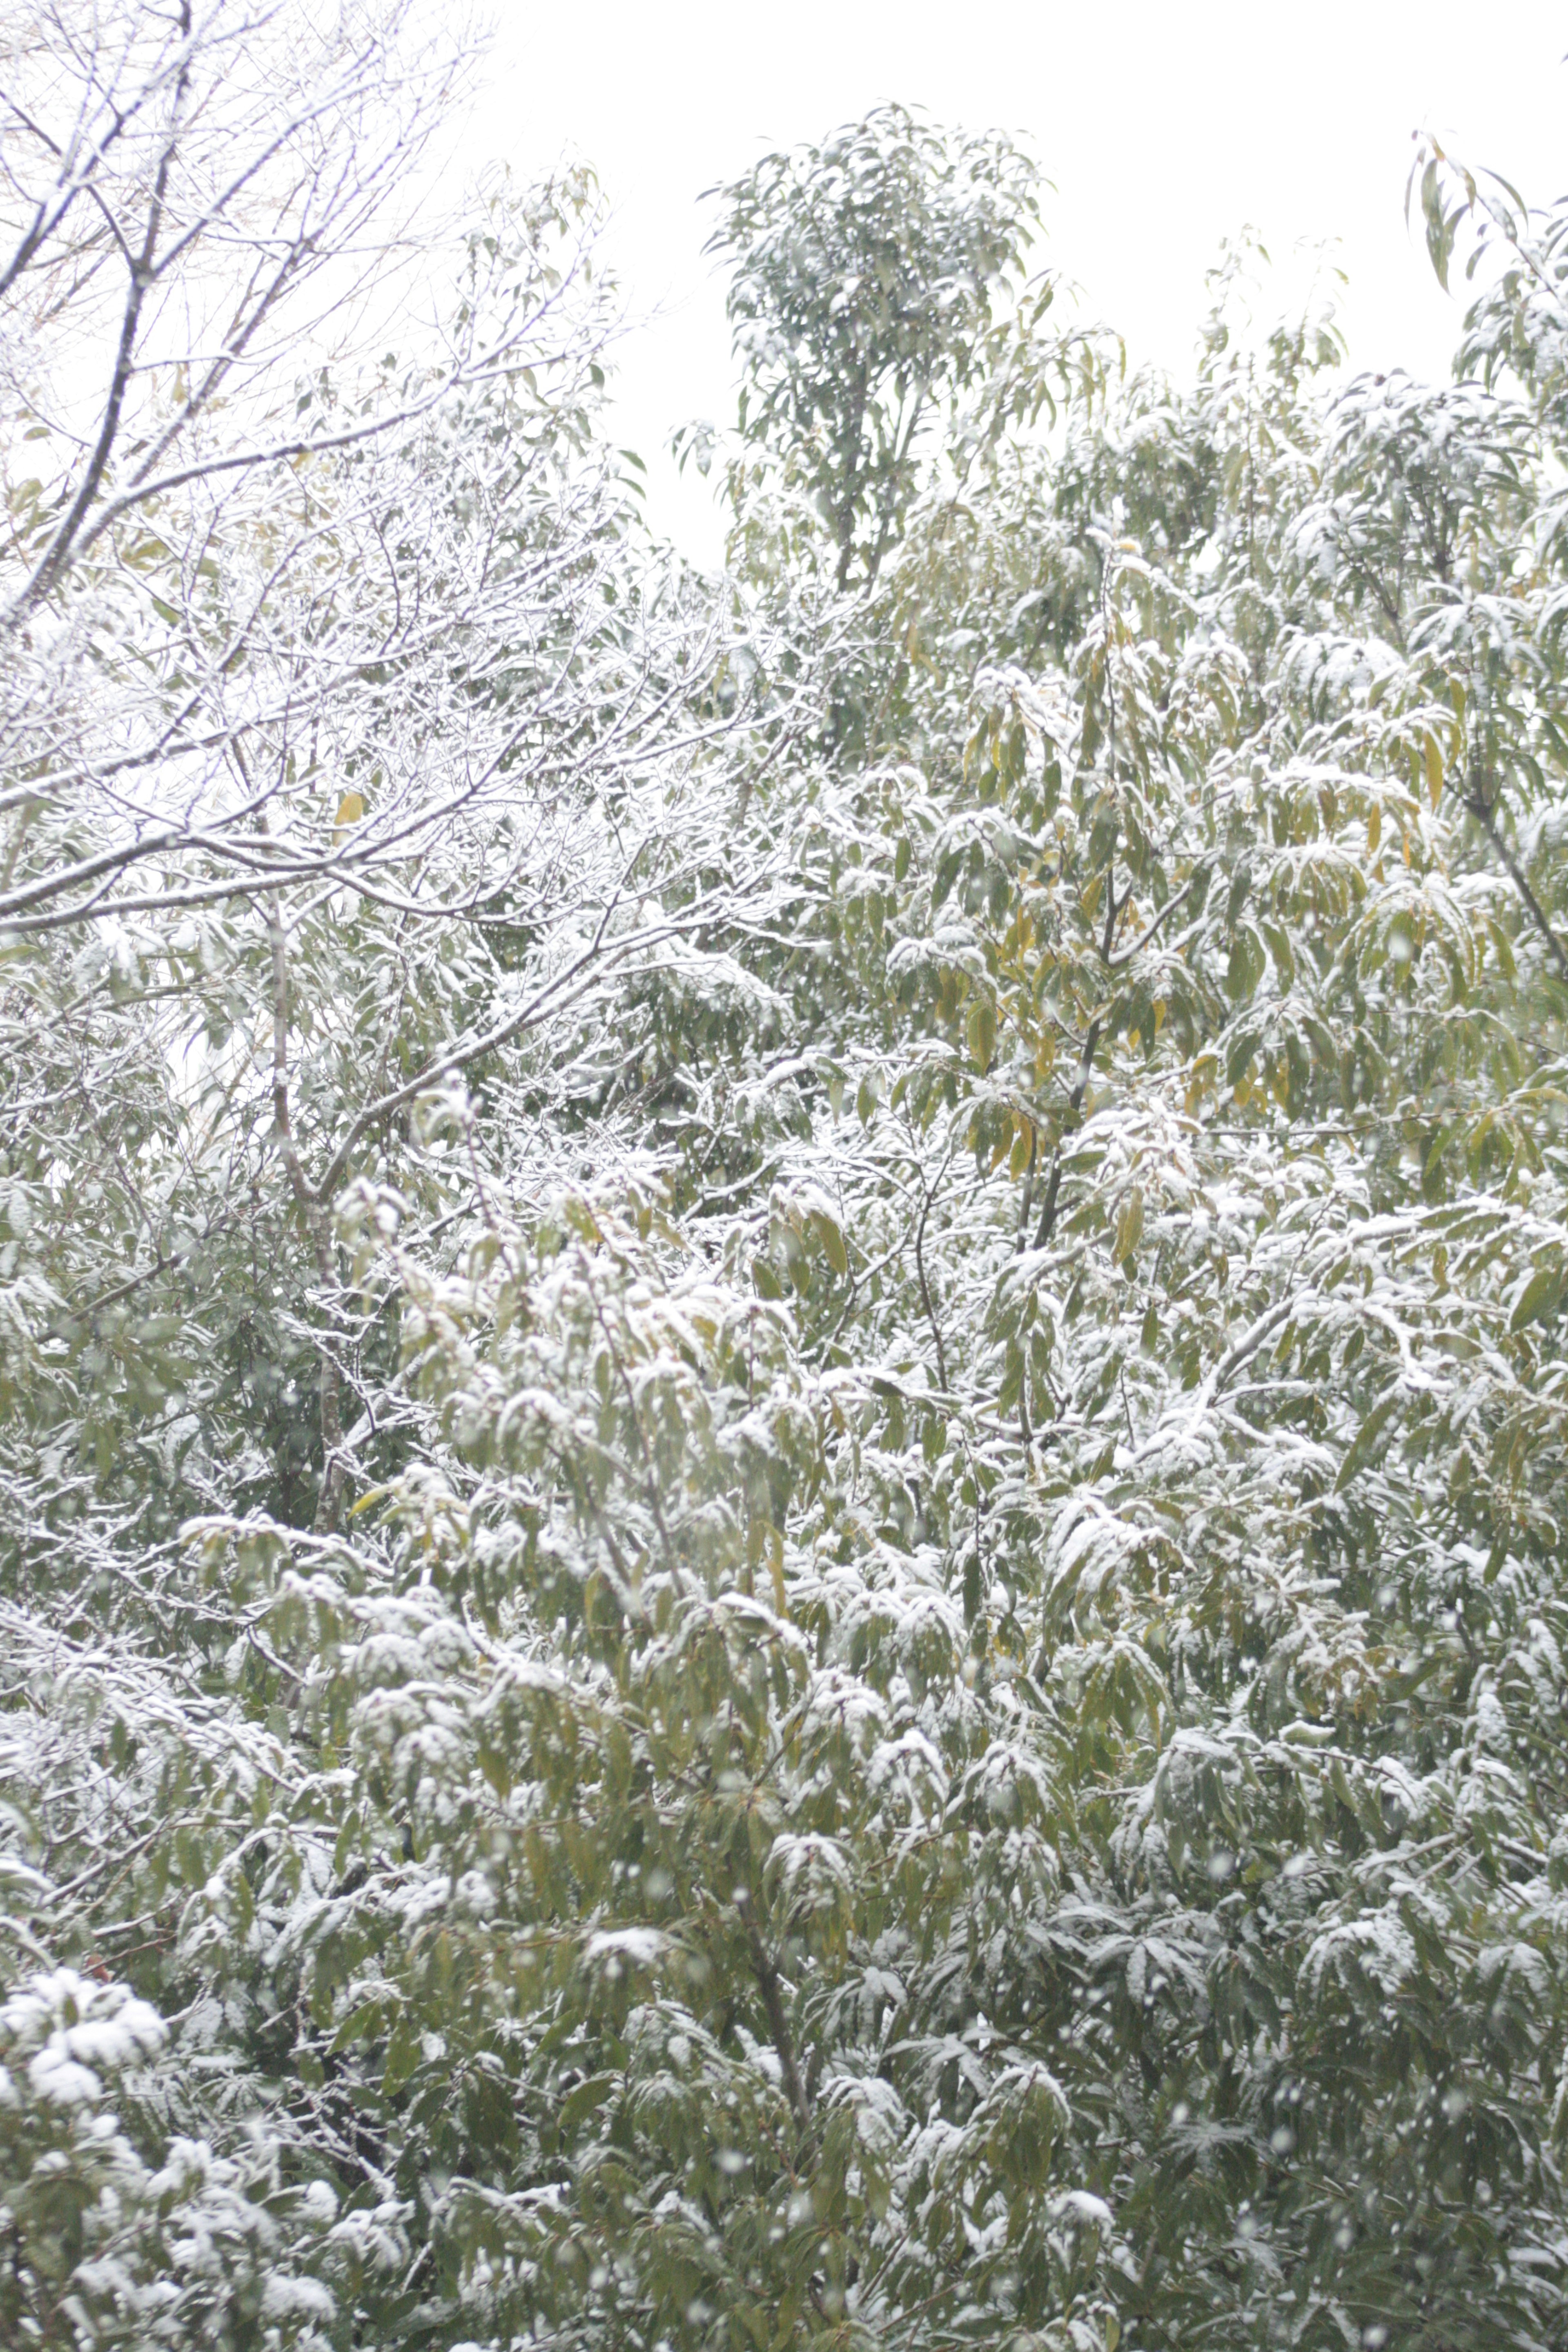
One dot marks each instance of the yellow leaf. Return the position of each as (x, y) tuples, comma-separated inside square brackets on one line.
[(1434, 768), (351, 808), (981, 1031), (1129, 1226)]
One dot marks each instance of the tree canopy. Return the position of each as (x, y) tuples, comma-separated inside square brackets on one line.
[(783, 1378)]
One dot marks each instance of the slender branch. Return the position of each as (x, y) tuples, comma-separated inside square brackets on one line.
[(75, 172), (1048, 1212), (567, 985), (1085, 1066), (1249, 1344), (1115, 962), (900, 458), (29, 1942), (650, 1473), (1075, 1102), (771, 1991), (920, 1273), (53, 561), (460, 378), (1027, 1201), (169, 1262), (1114, 910), (333, 1465), (1483, 809)]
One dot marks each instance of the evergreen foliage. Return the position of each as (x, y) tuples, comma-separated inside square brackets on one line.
[(783, 1391)]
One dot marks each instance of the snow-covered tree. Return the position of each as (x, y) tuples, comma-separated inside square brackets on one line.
[(927, 1709)]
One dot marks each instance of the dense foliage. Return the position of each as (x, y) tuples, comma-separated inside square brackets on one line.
[(783, 1386)]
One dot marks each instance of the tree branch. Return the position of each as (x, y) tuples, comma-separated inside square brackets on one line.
[(333, 1465), (1478, 804), (771, 1991), (920, 1274), (53, 561), (1116, 962)]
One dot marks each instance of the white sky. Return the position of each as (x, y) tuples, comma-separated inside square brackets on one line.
[(1166, 128)]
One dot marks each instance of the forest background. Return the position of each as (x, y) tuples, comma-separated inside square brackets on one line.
[(782, 1347)]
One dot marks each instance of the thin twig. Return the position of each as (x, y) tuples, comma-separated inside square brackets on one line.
[(769, 1985), (1482, 809), (920, 1273)]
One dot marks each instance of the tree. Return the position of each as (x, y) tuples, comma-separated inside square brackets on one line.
[(343, 753), (871, 278), (330, 657), (1002, 1783), (938, 1720)]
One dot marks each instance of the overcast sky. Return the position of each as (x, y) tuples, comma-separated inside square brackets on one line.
[(1165, 129)]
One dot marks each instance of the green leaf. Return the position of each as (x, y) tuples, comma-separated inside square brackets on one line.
[(361, 2024), (1238, 1058), (584, 2101), (1365, 1438), (832, 1240), (766, 1276), (402, 2056), (1538, 1296)]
